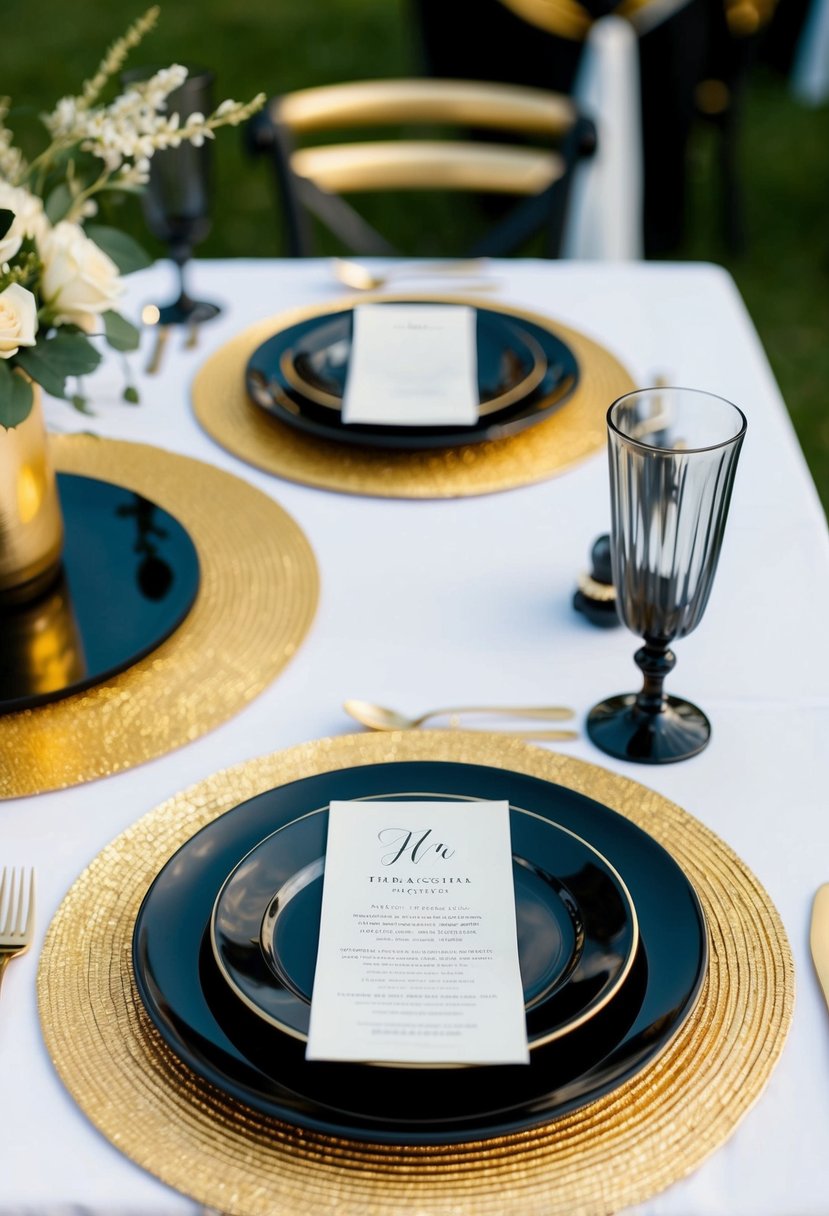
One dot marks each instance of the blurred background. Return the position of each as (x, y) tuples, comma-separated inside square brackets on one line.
[(736, 130)]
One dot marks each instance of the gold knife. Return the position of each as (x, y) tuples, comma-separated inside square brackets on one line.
[(161, 339), (819, 937)]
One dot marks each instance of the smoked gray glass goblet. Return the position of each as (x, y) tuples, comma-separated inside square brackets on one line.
[(176, 201), (673, 454)]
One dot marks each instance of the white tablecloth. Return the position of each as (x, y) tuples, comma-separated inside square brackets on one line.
[(430, 603)]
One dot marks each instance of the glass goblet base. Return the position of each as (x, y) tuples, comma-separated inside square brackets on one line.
[(185, 311), (620, 728)]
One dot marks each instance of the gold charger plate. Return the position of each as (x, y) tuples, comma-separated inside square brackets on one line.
[(617, 1151), (257, 596), (577, 430)]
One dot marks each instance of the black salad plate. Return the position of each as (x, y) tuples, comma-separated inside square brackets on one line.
[(298, 376), (577, 930), (511, 363), (128, 578), (203, 1021)]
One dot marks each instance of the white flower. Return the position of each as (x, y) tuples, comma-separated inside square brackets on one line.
[(79, 280), (29, 217), (157, 89), (63, 119), (12, 164), (134, 175), (18, 320), (10, 243)]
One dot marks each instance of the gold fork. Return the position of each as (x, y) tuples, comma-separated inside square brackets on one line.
[(17, 929)]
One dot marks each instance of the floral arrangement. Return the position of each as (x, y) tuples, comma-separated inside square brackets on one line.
[(60, 275)]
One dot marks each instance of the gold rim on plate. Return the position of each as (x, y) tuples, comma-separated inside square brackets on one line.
[(570, 435), (227, 650), (618, 1151)]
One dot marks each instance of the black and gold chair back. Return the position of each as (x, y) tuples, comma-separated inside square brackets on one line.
[(313, 178)]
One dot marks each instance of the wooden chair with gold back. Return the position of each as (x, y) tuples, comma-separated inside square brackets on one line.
[(322, 180)]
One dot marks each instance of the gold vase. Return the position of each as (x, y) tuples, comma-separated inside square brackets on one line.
[(41, 648), (31, 525)]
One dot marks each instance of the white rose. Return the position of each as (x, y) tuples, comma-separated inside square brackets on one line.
[(29, 219), (18, 320), (79, 280)]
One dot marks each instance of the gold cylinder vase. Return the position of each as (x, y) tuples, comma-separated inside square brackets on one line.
[(31, 524)]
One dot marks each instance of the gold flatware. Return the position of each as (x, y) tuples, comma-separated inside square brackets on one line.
[(361, 278), (192, 339), (161, 339), (819, 937), (17, 924), (377, 717)]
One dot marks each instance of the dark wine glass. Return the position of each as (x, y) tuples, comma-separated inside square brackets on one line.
[(673, 455), (176, 200)]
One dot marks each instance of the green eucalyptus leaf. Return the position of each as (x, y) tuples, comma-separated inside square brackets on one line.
[(52, 360), (81, 405), (69, 327), (131, 395), (58, 203), (6, 221), (49, 378), (120, 333), (15, 397), (125, 252)]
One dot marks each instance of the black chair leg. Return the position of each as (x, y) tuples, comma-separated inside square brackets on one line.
[(262, 137)]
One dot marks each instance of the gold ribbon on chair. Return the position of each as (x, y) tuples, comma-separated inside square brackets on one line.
[(569, 19)]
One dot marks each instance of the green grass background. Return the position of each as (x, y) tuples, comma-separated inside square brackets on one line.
[(49, 48)]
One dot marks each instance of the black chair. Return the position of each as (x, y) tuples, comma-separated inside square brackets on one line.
[(312, 178)]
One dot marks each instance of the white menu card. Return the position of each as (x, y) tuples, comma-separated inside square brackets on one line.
[(412, 365), (418, 952)]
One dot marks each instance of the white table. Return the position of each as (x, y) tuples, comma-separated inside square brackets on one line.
[(481, 591)]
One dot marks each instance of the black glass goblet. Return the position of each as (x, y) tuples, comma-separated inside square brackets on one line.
[(176, 200), (673, 455)]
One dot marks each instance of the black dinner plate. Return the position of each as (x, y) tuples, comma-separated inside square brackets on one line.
[(577, 929), (311, 358), (214, 1033), (129, 576)]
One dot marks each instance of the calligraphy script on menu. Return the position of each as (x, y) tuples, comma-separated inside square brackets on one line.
[(412, 848), (433, 979)]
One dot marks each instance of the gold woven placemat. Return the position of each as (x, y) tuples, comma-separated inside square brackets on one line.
[(617, 1151), (256, 600), (578, 429)]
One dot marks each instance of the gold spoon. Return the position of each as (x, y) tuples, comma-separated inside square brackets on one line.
[(360, 278), (377, 717)]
